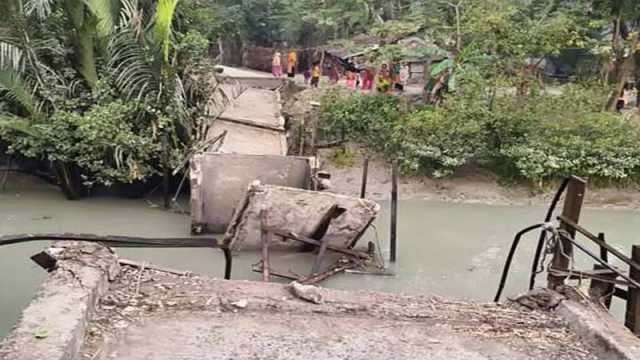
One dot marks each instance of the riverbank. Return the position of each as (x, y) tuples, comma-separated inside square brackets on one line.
[(469, 185)]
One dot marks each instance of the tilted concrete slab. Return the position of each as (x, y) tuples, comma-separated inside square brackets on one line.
[(253, 78), (250, 140), (219, 181), (256, 107), (297, 211)]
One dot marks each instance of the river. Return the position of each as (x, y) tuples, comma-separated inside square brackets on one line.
[(448, 249)]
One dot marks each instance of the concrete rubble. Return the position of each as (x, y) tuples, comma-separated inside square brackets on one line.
[(296, 211)]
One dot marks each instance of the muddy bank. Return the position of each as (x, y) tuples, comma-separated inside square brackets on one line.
[(469, 185)]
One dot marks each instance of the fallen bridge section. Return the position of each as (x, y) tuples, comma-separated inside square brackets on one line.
[(219, 182), (297, 211)]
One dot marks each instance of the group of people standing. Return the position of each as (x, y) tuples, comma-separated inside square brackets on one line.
[(389, 76), (292, 62), (312, 76)]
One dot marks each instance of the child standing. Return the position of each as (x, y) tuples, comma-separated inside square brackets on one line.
[(316, 72), (351, 80), (307, 76)]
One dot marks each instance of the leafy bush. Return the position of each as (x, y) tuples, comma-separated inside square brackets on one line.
[(372, 120), (600, 145), (103, 142), (535, 137), (443, 139)]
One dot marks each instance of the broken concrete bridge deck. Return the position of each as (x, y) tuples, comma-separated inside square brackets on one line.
[(198, 318), (91, 308)]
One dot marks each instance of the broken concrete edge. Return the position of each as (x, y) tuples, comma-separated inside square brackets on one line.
[(54, 324), (611, 339), (252, 123), (257, 82), (297, 211)]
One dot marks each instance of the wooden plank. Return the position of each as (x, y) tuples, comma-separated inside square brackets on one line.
[(632, 318), (266, 264), (572, 207)]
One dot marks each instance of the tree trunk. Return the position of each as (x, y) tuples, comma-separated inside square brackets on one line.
[(627, 68), (70, 180)]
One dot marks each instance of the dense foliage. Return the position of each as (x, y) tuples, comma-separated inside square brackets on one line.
[(92, 87), (538, 138)]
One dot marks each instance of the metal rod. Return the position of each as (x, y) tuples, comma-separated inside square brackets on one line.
[(317, 243), (632, 283), (547, 218), (512, 251), (127, 242), (365, 175), (394, 212), (602, 244), (115, 241)]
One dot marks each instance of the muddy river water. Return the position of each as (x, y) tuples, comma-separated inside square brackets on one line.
[(453, 250)]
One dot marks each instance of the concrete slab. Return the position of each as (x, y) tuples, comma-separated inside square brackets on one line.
[(235, 72), (256, 107), (296, 211), (251, 140), (219, 182), (596, 326), (199, 318), (211, 335)]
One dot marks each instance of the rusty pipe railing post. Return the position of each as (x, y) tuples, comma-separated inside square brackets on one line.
[(394, 212), (573, 201)]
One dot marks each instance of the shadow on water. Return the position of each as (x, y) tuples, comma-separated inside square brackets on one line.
[(453, 250)]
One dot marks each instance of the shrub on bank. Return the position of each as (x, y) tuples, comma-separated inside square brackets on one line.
[(103, 142), (538, 137)]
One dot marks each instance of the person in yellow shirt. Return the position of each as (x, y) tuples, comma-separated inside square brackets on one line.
[(292, 63), (316, 72)]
